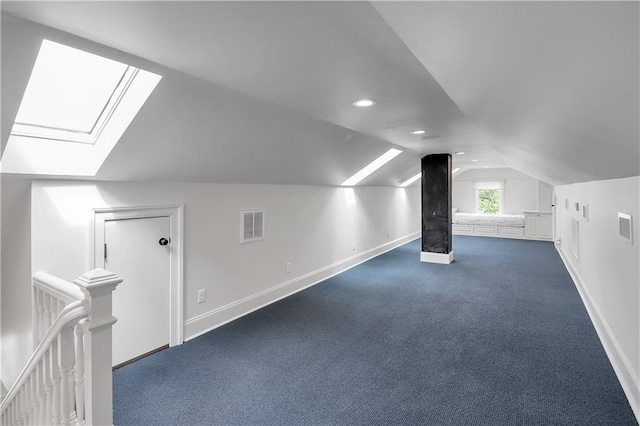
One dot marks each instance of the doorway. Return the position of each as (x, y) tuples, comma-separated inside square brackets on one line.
[(144, 247)]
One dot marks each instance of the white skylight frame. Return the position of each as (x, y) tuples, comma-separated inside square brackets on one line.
[(63, 74), (372, 167), (46, 151)]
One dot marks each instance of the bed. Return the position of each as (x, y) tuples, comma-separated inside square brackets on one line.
[(489, 225)]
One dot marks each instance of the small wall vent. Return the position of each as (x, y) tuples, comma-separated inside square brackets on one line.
[(252, 226), (625, 227)]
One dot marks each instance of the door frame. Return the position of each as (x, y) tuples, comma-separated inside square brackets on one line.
[(176, 216)]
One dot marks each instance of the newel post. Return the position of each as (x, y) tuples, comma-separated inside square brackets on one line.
[(98, 286)]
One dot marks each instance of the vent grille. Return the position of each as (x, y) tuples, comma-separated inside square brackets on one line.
[(625, 228), (252, 226)]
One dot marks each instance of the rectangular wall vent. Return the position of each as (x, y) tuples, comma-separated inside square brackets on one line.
[(625, 227), (252, 226)]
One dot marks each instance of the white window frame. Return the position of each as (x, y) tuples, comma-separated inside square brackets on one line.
[(67, 135), (39, 155), (498, 185)]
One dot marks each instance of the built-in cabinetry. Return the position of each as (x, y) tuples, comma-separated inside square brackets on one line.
[(538, 225)]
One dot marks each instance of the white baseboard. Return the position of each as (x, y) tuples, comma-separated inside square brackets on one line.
[(208, 321), (621, 365), (443, 258)]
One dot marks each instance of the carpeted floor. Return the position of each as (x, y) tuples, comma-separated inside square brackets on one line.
[(499, 337)]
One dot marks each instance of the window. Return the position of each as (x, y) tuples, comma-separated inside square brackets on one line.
[(489, 201), (489, 197), (372, 167), (73, 96)]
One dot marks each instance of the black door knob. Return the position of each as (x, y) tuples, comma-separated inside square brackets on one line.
[(163, 241)]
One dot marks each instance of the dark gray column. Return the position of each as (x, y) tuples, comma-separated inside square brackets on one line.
[(436, 209)]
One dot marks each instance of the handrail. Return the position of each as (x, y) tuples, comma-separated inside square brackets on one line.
[(57, 287), (67, 380), (69, 316)]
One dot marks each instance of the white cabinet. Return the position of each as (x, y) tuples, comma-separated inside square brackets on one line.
[(538, 225)]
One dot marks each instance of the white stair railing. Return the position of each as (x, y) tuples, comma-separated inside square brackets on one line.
[(67, 380)]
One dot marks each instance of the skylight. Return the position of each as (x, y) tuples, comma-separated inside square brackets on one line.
[(70, 94), (411, 180), (372, 167), (74, 96)]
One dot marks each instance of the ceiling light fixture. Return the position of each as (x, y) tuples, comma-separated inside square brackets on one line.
[(460, 153), (409, 181), (363, 103), (418, 132), (372, 167), (474, 160), (457, 169)]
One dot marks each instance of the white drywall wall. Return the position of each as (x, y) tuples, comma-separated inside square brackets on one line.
[(521, 191), (607, 269), (311, 227), (15, 279)]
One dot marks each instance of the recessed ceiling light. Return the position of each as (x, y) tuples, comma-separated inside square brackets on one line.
[(474, 160), (418, 132), (411, 180), (457, 169), (460, 153), (363, 103), (372, 167), (486, 167)]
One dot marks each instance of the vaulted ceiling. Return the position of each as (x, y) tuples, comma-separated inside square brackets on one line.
[(262, 92)]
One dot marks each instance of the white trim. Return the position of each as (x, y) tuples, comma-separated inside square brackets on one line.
[(621, 365), (176, 218), (488, 184), (442, 258), (215, 318)]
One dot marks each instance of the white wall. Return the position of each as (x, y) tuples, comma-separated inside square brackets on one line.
[(521, 191), (607, 270), (311, 227), (15, 281)]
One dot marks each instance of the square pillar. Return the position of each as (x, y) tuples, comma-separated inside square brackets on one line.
[(436, 209)]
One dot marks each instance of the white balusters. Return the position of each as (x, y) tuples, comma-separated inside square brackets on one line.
[(23, 404), (68, 378), (48, 384), (79, 371), (67, 353), (42, 393), (32, 399), (55, 380), (38, 320)]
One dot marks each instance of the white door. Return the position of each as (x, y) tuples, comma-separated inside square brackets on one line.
[(141, 303)]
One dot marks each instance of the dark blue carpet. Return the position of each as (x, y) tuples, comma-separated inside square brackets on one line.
[(499, 337)]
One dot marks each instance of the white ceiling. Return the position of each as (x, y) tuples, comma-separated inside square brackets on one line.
[(261, 91)]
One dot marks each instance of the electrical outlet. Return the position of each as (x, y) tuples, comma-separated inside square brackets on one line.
[(388, 235), (287, 267), (202, 296), (353, 246)]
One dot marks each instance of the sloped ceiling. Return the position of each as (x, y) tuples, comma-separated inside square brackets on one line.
[(261, 92)]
